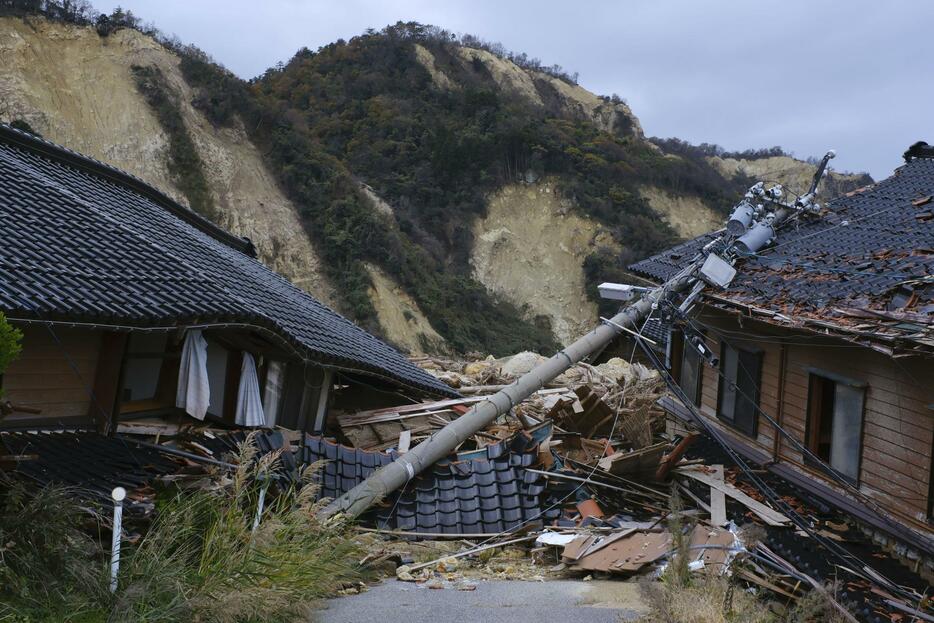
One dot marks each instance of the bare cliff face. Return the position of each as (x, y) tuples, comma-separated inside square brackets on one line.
[(793, 174), (77, 89), (530, 249)]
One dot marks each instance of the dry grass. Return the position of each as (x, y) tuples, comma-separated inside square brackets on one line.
[(200, 560), (682, 597), (708, 598)]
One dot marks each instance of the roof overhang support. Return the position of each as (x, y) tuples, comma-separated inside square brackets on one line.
[(323, 395)]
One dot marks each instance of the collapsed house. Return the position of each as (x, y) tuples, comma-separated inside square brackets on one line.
[(830, 333), (154, 341), (134, 308)]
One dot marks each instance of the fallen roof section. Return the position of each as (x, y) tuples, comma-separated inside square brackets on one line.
[(84, 242)]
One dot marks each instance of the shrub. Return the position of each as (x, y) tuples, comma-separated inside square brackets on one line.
[(10, 344)]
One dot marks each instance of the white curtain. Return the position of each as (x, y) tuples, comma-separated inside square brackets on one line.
[(272, 396), (194, 393), (249, 402)]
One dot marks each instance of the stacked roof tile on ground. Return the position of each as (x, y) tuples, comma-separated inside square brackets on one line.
[(475, 496), (85, 242), (87, 462)]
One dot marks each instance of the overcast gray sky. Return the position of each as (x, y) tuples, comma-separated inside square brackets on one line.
[(856, 76)]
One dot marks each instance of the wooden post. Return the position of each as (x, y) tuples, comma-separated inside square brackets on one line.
[(104, 409), (717, 499), (322, 410), (671, 459)]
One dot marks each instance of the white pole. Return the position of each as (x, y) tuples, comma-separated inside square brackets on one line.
[(118, 494), (259, 505)]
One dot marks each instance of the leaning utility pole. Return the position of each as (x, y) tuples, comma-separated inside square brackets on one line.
[(759, 223), (394, 475)]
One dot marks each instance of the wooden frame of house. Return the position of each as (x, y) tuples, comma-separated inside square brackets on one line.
[(106, 276), (831, 335)]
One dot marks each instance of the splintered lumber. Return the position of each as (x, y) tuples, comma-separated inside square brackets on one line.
[(392, 476), (635, 463), (588, 414), (378, 429), (475, 550), (625, 552), (671, 459), (768, 515)]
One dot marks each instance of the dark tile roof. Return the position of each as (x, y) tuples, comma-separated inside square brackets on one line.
[(869, 256), (481, 495), (88, 463), (84, 242)]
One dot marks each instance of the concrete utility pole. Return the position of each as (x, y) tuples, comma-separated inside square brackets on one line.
[(759, 221), (393, 476)]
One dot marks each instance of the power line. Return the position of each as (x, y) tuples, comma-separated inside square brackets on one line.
[(845, 556)]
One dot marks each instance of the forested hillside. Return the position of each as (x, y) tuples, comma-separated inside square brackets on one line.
[(435, 154), (402, 148)]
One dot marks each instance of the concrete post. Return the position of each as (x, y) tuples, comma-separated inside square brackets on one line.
[(394, 475)]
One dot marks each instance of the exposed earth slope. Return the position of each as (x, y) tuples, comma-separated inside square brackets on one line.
[(440, 192)]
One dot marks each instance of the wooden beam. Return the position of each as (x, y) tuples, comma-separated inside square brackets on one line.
[(767, 514), (108, 381), (717, 499), (321, 410)]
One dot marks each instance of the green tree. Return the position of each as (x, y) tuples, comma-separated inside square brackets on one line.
[(10, 344)]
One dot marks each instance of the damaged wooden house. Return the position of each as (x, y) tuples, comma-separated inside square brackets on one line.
[(821, 352), (136, 311)]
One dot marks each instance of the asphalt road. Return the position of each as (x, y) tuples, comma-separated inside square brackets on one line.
[(493, 601)]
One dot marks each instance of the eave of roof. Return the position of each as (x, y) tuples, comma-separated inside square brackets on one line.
[(58, 153), (86, 243)]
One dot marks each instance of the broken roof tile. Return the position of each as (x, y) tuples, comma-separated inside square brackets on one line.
[(863, 247)]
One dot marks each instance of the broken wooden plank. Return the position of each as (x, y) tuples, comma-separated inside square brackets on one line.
[(671, 459), (767, 514), (643, 461), (717, 498)]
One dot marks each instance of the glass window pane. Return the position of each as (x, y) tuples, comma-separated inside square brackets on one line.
[(272, 394), (728, 399), (141, 373), (746, 415), (690, 372), (847, 428)]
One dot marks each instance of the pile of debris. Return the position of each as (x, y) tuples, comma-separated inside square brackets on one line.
[(581, 479)]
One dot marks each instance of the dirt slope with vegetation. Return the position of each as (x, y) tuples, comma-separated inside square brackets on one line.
[(79, 89), (394, 175)]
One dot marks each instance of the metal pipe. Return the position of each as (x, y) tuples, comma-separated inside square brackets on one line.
[(394, 475)]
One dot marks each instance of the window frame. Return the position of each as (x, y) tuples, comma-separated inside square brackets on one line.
[(688, 350), (836, 379), (758, 353)]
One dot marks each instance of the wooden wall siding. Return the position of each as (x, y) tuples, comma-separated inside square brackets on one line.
[(768, 397), (42, 376), (898, 425)]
